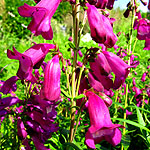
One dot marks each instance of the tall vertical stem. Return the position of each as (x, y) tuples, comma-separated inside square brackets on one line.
[(75, 12)]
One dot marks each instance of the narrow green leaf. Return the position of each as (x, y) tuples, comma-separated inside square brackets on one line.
[(140, 109), (54, 140), (132, 123), (72, 145), (65, 93), (71, 45), (79, 96), (140, 117), (119, 104), (125, 141)]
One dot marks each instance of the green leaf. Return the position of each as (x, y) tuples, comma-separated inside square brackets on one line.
[(71, 45), (119, 104), (54, 140), (132, 123), (140, 117), (140, 108), (72, 145), (79, 96), (65, 93), (125, 141)]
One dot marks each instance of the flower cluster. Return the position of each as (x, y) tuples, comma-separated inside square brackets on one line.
[(106, 72)]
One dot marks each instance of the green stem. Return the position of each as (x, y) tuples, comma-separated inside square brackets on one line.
[(131, 30), (116, 108), (134, 44), (125, 116), (79, 115), (79, 79), (75, 10), (68, 84)]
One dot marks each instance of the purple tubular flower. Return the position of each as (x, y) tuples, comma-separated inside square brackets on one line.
[(80, 64), (148, 91), (9, 101), (9, 85), (106, 99), (144, 77), (137, 91), (21, 129), (94, 83), (128, 113), (110, 4), (119, 68), (105, 80), (138, 14), (35, 126), (31, 58), (104, 67), (101, 4), (26, 144), (101, 126), (143, 29), (51, 86), (80, 53), (101, 28), (3, 112), (41, 17), (147, 44), (38, 144), (134, 83), (39, 118)]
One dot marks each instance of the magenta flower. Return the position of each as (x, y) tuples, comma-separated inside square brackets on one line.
[(38, 144), (143, 78), (21, 129), (3, 112), (9, 101), (119, 68), (101, 28), (95, 83), (9, 85), (80, 53), (143, 27), (100, 71), (106, 99), (101, 126), (147, 44), (51, 86), (101, 4), (31, 58), (110, 4), (41, 17)]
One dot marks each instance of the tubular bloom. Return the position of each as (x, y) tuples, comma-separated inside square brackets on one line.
[(119, 68), (101, 126), (41, 17), (101, 28), (102, 3), (51, 86), (103, 65), (31, 58), (9, 85)]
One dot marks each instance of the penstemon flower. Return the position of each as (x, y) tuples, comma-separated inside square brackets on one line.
[(41, 17), (101, 126)]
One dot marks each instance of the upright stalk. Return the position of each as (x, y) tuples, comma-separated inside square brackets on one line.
[(75, 13), (131, 30)]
